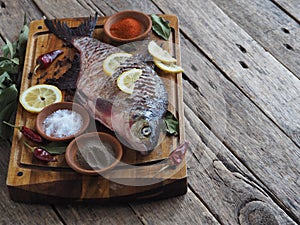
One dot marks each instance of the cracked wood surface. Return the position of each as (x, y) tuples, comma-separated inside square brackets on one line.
[(275, 31), (241, 94)]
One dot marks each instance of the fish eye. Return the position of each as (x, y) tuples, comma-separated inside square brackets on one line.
[(146, 131)]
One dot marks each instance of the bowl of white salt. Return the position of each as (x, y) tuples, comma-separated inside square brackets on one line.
[(62, 121)]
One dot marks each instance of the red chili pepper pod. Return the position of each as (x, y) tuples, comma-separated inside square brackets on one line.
[(41, 153), (45, 60), (177, 156), (27, 132)]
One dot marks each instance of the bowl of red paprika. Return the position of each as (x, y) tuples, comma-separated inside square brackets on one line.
[(127, 26)]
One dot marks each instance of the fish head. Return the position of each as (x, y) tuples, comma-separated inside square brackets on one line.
[(141, 133), (148, 132)]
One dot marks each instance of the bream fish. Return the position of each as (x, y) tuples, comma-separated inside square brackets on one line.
[(137, 118)]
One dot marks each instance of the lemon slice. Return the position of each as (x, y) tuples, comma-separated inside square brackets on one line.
[(160, 54), (172, 68), (35, 98), (127, 79), (113, 61)]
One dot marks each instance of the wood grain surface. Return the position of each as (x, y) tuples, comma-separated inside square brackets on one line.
[(290, 7), (270, 26), (241, 95)]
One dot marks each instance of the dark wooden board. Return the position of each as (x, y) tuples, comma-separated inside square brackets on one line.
[(30, 180)]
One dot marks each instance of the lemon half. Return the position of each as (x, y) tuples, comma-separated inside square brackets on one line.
[(127, 79), (113, 61), (35, 98), (160, 54)]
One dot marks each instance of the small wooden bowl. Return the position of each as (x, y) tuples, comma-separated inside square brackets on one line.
[(143, 18), (61, 105), (77, 153)]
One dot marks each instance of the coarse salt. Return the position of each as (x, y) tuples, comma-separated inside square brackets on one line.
[(62, 123)]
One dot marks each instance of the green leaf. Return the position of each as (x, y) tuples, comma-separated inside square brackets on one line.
[(172, 124), (5, 81), (8, 95), (161, 26), (8, 100), (6, 51), (23, 38), (6, 114), (9, 66), (10, 47), (15, 61), (6, 65), (4, 58), (56, 148)]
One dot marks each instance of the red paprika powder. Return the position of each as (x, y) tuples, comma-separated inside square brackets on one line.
[(126, 28)]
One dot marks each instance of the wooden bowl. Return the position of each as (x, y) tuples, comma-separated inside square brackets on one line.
[(47, 111), (142, 18), (93, 153)]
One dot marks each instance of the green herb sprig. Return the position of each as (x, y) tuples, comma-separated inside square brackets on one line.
[(172, 124), (12, 55), (161, 26), (56, 148)]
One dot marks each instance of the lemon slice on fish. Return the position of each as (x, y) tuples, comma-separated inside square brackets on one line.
[(171, 68), (127, 79), (35, 98), (113, 61), (160, 54)]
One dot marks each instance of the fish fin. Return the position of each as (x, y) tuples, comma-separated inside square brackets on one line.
[(104, 112), (104, 106), (64, 32)]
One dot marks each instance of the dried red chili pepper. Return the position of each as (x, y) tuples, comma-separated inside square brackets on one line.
[(45, 60), (41, 153), (176, 156), (27, 132)]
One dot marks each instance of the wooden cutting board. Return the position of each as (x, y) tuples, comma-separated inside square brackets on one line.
[(33, 181)]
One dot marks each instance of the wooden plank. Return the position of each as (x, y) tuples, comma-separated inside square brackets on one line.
[(11, 17), (269, 26), (273, 88), (81, 8), (231, 193), (187, 209), (292, 7), (96, 214), (71, 9), (271, 157), (15, 213), (184, 208), (114, 6), (261, 77)]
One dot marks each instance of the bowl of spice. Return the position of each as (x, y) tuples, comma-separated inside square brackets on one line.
[(127, 26), (93, 153), (62, 121)]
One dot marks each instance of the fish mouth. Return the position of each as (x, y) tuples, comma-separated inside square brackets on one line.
[(142, 148), (136, 144)]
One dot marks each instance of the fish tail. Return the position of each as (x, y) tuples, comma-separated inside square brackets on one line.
[(64, 32)]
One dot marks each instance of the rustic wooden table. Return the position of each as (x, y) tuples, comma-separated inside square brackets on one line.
[(242, 114)]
